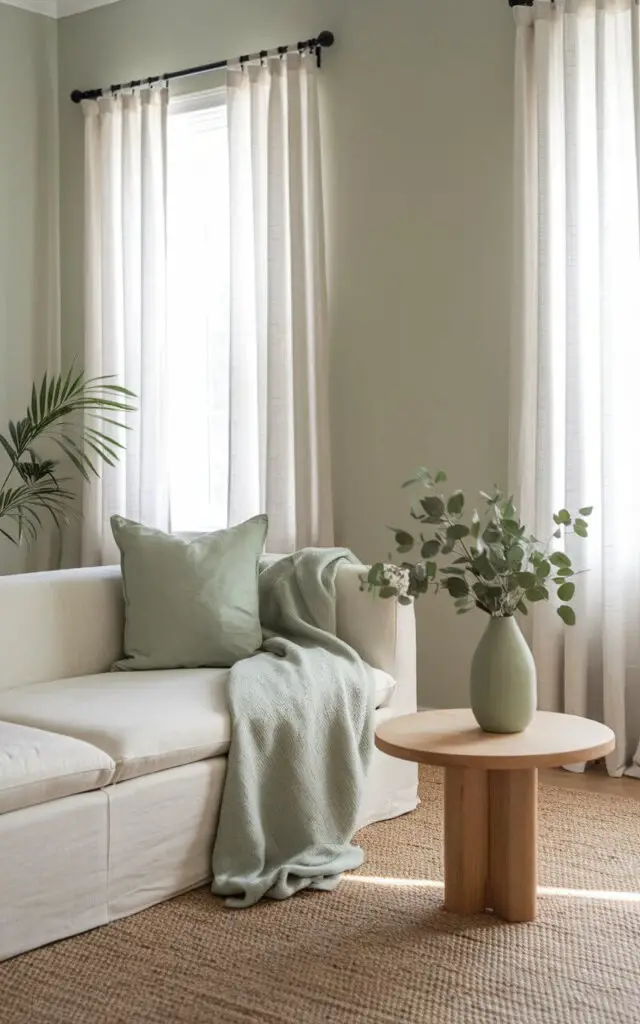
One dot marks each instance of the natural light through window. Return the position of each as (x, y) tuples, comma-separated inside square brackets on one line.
[(198, 316)]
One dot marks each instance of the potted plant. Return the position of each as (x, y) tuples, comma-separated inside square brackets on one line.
[(494, 564), (66, 412)]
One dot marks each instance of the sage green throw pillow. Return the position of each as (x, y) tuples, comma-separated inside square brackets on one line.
[(189, 603)]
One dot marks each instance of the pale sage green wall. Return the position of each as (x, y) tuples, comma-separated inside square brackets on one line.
[(417, 98), (29, 284)]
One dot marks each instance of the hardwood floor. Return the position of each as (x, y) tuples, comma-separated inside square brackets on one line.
[(595, 780)]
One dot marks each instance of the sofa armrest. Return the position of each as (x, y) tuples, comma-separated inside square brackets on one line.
[(56, 625), (383, 632)]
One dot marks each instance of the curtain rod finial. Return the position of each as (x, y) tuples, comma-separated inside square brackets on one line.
[(77, 96), (326, 39)]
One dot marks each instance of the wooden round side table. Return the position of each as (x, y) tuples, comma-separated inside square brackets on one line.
[(491, 798)]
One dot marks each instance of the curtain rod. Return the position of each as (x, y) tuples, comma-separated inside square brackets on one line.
[(316, 45)]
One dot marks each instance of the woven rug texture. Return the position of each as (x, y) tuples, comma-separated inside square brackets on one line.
[(379, 950)]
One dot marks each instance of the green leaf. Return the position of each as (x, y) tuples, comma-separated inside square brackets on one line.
[(11, 452), (527, 580), (51, 390), (567, 615), (559, 558), (423, 476), (440, 477), (483, 567), (453, 570), (563, 517), (586, 511), (430, 548), (34, 403), (565, 572), (433, 506), (388, 592), (492, 595), (566, 591), (581, 528), (404, 540), (78, 459), (105, 454), (432, 570), (457, 532), (492, 534), (515, 555), (558, 534), (457, 587), (538, 593), (455, 504), (521, 606), (405, 600), (492, 499), (543, 570), (376, 575), (417, 587), (509, 509), (511, 526), (497, 559)]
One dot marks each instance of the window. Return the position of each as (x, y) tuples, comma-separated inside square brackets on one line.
[(198, 311)]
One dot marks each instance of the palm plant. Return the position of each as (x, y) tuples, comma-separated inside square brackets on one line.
[(69, 412)]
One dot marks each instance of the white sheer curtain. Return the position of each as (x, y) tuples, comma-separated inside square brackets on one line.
[(279, 424), (125, 299), (575, 426)]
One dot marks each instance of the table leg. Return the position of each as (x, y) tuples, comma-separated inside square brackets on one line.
[(466, 839), (513, 815)]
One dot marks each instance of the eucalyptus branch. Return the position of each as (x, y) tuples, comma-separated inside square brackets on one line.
[(502, 572)]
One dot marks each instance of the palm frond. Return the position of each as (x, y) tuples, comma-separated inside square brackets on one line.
[(60, 411)]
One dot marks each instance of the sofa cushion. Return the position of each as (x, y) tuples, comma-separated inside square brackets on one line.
[(37, 766), (145, 721)]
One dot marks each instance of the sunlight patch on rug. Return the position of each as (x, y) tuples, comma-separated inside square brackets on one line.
[(543, 890)]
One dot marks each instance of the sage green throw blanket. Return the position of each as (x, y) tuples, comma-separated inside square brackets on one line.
[(301, 741)]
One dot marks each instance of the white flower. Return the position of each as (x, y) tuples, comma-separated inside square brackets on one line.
[(398, 578)]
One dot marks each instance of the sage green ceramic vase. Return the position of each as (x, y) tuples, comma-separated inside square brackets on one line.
[(503, 679)]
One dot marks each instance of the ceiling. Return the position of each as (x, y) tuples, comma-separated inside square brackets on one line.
[(57, 8)]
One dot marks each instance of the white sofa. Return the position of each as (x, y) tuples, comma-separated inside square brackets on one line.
[(110, 783)]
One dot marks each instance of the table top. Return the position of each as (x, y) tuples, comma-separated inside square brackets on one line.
[(453, 738)]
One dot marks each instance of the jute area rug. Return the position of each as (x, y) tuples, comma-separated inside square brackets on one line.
[(380, 950)]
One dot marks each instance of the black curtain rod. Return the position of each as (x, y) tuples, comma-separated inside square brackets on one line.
[(315, 45), (520, 3)]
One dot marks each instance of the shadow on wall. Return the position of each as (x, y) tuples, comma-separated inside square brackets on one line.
[(29, 249)]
